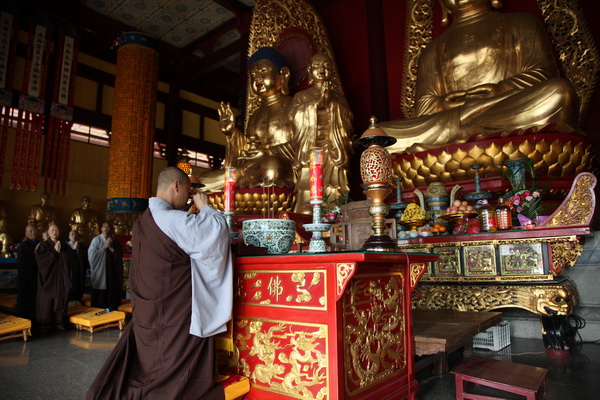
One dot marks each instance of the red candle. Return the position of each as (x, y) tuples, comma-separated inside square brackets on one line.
[(316, 173), (229, 191)]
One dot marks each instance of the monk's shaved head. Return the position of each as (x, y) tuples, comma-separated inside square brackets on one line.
[(168, 176)]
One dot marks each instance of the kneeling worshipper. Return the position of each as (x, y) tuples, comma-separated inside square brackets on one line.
[(181, 281), (55, 261)]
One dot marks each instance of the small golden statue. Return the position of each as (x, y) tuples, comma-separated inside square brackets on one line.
[(488, 72), (84, 221), (5, 239), (321, 118), (262, 155), (43, 214)]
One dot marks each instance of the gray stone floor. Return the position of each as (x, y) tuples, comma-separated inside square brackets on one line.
[(62, 365)]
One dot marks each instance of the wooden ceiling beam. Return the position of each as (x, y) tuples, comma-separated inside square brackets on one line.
[(196, 70)]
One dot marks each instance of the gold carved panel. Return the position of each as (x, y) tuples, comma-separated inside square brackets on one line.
[(480, 260), (374, 330), (305, 289), (521, 259), (283, 357), (448, 264)]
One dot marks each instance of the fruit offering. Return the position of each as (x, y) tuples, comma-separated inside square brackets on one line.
[(460, 207), (413, 213)]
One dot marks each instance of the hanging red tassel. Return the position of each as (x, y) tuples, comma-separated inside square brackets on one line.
[(8, 45), (60, 121), (26, 159)]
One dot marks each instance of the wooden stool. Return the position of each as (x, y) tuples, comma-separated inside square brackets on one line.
[(511, 377), (12, 327), (93, 320)]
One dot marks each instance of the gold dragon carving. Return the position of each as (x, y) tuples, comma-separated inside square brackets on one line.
[(539, 299), (374, 330), (292, 372), (566, 27)]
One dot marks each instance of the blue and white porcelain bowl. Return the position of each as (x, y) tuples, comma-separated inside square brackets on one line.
[(277, 235)]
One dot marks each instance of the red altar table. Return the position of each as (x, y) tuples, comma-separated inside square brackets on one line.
[(326, 325)]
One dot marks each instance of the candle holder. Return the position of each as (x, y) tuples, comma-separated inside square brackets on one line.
[(229, 200), (376, 171), (477, 194), (399, 206), (317, 243)]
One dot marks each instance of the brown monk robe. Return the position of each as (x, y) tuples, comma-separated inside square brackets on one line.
[(157, 358), (55, 261)]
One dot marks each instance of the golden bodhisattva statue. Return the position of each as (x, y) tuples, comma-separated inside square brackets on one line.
[(263, 155), (84, 221), (42, 215), (488, 72), (321, 118), (5, 239)]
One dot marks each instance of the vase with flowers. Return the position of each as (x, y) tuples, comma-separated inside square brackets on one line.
[(331, 211), (524, 198)]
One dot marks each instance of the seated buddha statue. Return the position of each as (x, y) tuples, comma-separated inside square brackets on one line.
[(489, 72), (263, 154), (84, 221), (321, 118), (42, 215)]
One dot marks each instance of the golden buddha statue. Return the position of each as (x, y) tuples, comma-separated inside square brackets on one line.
[(5, 238), (262, 155), (42, 215), (84, 221), (321, 118), (489, 72)]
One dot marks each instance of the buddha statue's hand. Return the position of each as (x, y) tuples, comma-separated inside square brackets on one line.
[(226, 118), (454, 99), (484, 91)]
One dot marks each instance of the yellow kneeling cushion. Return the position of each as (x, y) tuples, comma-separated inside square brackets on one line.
[(97, 320)]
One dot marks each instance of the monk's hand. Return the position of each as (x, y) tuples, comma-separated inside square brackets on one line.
[(200, 200), (454, 99), (484, 91), (226, 118), (75, 245), (57, 246)]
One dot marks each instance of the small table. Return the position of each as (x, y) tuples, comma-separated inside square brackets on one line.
[(443, 332), (511, 377)]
